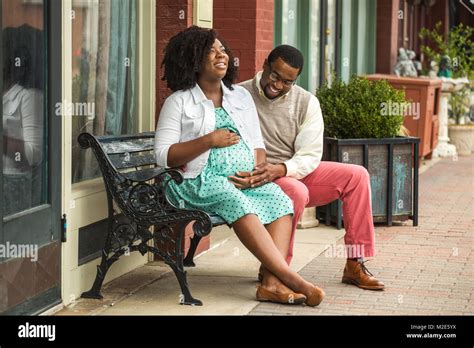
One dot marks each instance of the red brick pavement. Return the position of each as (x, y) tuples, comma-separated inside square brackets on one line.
[(427, 270)]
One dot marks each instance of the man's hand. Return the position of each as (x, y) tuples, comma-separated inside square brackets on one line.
[(242, 181), (263, 173)]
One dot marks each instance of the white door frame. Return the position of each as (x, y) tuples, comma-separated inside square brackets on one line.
[(85, 203)]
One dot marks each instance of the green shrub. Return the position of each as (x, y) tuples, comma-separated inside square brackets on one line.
[(354, 110), (459, 102), (457, 45)]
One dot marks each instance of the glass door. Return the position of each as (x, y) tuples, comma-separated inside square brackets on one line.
[(330, 36), (30, 184), (313, 27)]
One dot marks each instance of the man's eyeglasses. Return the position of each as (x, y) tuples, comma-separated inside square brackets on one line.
[(275, 78)]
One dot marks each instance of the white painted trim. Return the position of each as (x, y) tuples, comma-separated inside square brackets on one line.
[(203, 13), (147, 65), (88, 198), (67, 249), (147, 72)]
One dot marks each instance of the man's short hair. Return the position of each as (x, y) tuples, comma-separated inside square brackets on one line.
[(290, 55)]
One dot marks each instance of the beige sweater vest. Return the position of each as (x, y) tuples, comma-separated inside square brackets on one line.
[(280, 120)]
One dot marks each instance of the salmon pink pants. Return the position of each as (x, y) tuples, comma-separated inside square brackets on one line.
[(328, 182)]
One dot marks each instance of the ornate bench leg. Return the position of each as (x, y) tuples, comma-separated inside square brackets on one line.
[(106, 262), (178, 268), (189, 259), (102, 269), (185, 298), (94, 292)]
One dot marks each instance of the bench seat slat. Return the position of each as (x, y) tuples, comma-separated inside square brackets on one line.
[(143, 174), (123, 162), (124, 137), (130, 146)]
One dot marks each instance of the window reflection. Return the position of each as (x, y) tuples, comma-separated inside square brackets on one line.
[(104, 71), (23, 107), (315, 47)]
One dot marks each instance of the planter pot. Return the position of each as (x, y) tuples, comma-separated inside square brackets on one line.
[(462, 136), (426, 93), (393, 167)]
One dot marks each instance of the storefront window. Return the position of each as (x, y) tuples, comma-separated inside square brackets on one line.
[(298, 25), (289, 27), (104, 86), (315, 47), (24, 123), (330, 48)]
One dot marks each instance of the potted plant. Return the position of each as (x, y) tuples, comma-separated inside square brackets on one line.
[(454, 56), (424, 94), (363, 122), (461, 129)]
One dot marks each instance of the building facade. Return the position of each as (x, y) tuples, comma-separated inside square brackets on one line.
[(68, 67)]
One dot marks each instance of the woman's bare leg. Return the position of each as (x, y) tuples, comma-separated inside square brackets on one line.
[(280, 232), (258, 241)]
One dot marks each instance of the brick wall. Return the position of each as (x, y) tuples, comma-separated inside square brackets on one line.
[(172, 16), (387, 36), (390, 27), (247, 27)]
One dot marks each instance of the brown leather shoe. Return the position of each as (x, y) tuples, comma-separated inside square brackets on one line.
[(293, 298), (357, 274), (316, 297)]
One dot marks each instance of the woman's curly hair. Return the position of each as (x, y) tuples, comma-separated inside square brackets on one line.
[(185, 54)]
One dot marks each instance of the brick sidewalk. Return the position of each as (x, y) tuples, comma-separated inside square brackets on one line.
[(427, 270)]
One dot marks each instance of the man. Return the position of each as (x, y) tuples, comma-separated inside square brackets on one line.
[(292, 128)]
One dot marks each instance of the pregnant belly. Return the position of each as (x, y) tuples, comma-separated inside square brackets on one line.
[(226, 161)]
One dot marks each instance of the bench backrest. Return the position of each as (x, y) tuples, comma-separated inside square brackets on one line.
[(129, 151), (116, 155)]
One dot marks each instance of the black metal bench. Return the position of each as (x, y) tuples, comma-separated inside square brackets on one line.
[(142, 213)]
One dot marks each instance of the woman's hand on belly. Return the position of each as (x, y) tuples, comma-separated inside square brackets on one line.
[(223, 137), (181, 153)]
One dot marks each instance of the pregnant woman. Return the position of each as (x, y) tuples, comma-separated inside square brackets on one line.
[(209, 128)]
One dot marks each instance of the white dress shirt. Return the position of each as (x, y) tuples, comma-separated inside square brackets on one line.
[(23, 120)]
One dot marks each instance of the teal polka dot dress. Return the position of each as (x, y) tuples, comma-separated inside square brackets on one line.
[(212, 191)]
